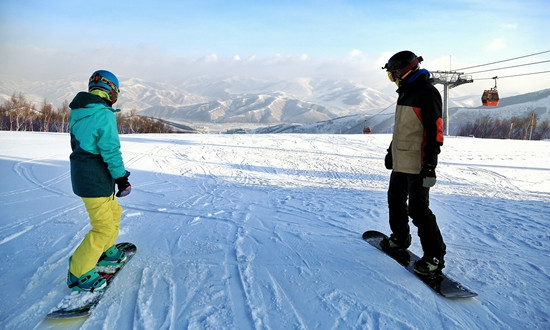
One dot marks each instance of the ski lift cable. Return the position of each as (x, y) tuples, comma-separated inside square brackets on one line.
[(515, 75), (509, 67), (380, 112), (511, 59)]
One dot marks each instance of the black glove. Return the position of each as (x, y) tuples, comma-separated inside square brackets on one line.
[(388, 161), (428, 176), (124, 187)]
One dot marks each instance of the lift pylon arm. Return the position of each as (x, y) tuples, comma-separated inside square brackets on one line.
[(451, 78)]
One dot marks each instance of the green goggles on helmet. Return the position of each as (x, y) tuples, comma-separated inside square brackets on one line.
[(100, 82)]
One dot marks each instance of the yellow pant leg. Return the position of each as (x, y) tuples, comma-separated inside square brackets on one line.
[(104, 213), (116, 211)]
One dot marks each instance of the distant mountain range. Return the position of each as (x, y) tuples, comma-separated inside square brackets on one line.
[(303, 105), (251, 101)]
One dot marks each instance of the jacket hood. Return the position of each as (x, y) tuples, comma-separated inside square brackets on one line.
[(419, 78), (85, 104), (418, 75), (82, 99)]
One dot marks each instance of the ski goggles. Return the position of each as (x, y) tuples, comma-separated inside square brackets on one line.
[(392, 76), (100, 79), (397, 75), (102, 83)]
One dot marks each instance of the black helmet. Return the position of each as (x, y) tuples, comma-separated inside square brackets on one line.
[(400, 64)]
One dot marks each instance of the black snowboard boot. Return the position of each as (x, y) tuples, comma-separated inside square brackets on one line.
[(429, 266), (393, 244)]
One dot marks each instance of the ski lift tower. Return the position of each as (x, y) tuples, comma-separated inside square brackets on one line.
[(449, 79)]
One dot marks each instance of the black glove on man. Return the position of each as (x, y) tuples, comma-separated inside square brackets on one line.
[(428, 176), (124, 187), (388, 160)]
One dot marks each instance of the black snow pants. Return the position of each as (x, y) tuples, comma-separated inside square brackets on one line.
[(405, 186)]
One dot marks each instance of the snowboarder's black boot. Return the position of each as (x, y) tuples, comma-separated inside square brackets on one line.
[(393, 244), (430, 267)]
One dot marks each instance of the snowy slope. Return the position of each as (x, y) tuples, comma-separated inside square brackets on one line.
[(264, 232)]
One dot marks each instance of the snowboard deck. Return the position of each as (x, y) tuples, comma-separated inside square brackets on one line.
[(80, 304), (441, 283)]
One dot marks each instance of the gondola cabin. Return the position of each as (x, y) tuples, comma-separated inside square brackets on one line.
[(490, 97)]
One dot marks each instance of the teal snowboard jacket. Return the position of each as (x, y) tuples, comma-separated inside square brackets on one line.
[(96, 160)]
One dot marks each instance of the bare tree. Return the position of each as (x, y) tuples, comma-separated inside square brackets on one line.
[(19, 110), (47, 114), (63, 116)]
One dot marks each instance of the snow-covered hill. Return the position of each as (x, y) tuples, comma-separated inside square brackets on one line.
[(230, 100), (264, 232), (381, 120), (303, 105), (304, 101), (519, 106), (256, 109)]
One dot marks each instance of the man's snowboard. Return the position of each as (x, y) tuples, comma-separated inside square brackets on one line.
[(442, 284), (79, 304)]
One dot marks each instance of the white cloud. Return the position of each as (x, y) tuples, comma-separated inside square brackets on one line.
[(212, 58), (497, 44), (510, 26), (355, 53), (156, 64), (251, 58)]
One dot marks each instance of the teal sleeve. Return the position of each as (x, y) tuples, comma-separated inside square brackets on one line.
[(109, 145)]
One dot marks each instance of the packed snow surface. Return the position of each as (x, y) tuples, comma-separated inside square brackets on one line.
[(264, 232)]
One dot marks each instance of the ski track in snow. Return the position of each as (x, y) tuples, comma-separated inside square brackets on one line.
[(264, 232)]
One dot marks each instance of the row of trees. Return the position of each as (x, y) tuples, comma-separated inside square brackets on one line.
[(19, 114), (526, 128)]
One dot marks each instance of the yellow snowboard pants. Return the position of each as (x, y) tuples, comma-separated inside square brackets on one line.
[(104, 213)]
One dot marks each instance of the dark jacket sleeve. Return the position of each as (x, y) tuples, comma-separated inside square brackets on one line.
[(433, 124)]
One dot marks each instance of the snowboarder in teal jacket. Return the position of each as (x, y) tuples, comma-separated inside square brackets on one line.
[(96, 167)]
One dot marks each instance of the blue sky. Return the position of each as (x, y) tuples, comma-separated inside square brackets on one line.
[(282, 39)]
